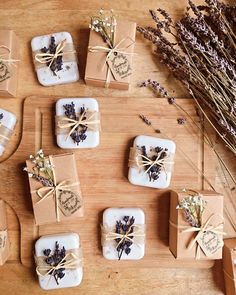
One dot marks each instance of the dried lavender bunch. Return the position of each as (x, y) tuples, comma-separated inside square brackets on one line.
[(154, 170), (42, 170), (203, 59), (104, 23), (79, 135), (53, 259), (1, 116), (193, 207), (124, 227), (56, 65)]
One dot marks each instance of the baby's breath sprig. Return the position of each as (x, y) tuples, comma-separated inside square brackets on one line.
[(104, 23), (193, 207)]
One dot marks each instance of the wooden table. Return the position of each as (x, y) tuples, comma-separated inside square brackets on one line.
[(30, 18)]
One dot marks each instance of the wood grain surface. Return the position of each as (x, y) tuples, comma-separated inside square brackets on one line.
[(105, 184)]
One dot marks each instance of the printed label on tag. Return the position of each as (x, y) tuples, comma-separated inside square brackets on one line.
[(4, 72), (210, 242), (69, 202), (3, 239), (119, 65)]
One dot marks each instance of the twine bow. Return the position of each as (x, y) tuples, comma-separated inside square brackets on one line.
[(138, 233), (142, 161), (44, 58), (65, 123), (217, 229), (111, 50), (47, 191), (7, 60), (70, 261)]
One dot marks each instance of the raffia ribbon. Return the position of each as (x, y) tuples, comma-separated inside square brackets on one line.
[(109, 235), (72, 260), (6, 62), (63, 48), (217, 229), (67, 126), (137, 160), (53, 191), (3, 239), (110, 51), (5, 134)]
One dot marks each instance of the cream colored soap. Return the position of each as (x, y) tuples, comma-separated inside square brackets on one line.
[(73, 277), (8, 120), (110, 217), (69, 72), (93, 137), (138, 177)]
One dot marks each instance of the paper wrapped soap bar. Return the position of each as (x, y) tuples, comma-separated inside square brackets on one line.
[(77, 123), (196, 225), (123, 234), (229, 265), (4, 239), (58, 261), (7, 125), (55, 59), (55, 188), (110, 65), (9, 63), (151, 161)]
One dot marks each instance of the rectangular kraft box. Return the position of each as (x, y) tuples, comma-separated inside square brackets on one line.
[(45, 210), (178, 240), (8, 38), (96, 73), (229, 256), (4, 239)]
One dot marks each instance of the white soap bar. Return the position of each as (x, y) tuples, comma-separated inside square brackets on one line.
[(110, 217), (73, 277), (69, 72), (8, 120), (138, 177), (93, 138)]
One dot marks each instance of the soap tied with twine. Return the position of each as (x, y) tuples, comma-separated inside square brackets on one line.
[(5, 63)]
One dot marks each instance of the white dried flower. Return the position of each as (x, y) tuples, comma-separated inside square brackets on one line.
[(25, 169), (30, 174)]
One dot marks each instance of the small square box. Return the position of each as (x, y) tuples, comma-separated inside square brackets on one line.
[(140, 162), (73, 274), (7, 125), (110, 218), (91, 117), (69, 68)]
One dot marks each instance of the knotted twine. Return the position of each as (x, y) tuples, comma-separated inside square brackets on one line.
[(113, 49), (5, 61), (5, 134), (63, 49), (53, 191), (72, 260), (109, 235), (3, 239), (137, 160), (67, 125)]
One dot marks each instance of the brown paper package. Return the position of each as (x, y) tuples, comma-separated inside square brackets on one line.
[(45, 211), (5, 251), (95, 73), (8, 87), (229, 255), (178, 241)]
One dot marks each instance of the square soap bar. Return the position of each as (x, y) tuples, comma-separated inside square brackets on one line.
[(140, 175), (92, 134), (71, 243), (7, 125), (69, 72), (110, 218)]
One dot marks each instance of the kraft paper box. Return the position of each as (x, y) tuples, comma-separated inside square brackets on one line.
[(229, 265), (4, 239), (97, 68), (181, 240), (9, 63), (61, 202)]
